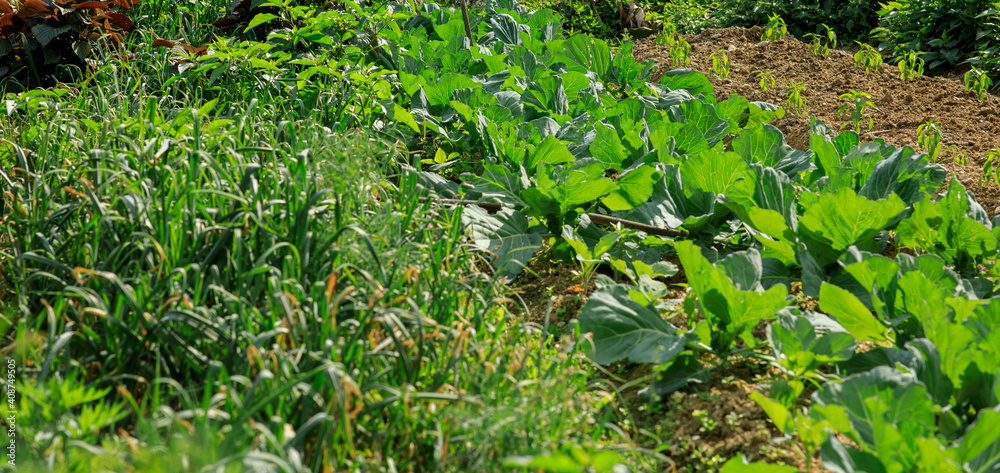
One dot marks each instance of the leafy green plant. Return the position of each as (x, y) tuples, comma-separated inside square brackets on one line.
[(766, 80), (680, 53), (42, 43), (859, 101), (668, 35), (950, 32), (911, 65), (821, 44), (794, 100), (978, 80), (929, 138), (851, 19), (991, 164), (588, 257), (775, 29), (867, 57), (720, 63), (943, 227)]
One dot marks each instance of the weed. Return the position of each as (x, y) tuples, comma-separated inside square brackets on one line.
[(820, 47), (990, 168), (911, 65), (867, 57), (859, 101), (978, 80), (667, 36), (720, 63), (766, 80), (776, 29), (929, 139), (795, 102), (680, 53)]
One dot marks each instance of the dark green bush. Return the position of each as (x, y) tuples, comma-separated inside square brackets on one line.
[(949, 32), (851, 19)]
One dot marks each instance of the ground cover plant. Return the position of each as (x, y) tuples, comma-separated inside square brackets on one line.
[(290, 253)]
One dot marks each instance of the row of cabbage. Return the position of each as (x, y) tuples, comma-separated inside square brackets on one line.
[(568, 127)]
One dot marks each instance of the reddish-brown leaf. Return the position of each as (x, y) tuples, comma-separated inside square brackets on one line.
[(163, 43), (34, 8), (117, 38), (121, 21), (195, 51), (93, 4), (5, 8), (9, 24)]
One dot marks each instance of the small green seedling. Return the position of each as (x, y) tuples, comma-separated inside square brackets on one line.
[(911, 65), (929, 139), (796, 103), (680, 53), (990, 168), (867, 57), (766, 80), (720, 63), (667, 37), (776, 29), (976, 79), (820, 47), (859, 101)]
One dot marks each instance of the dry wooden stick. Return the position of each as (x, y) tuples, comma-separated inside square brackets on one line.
[(465, 19), (594, 217)]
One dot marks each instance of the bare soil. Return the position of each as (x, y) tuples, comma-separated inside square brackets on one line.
[(970, 125)]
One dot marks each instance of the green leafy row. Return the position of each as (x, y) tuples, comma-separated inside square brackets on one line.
[(569, 126)]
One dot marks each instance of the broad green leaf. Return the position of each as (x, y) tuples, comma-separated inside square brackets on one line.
[(693, 82), (624, 329), (851, 314), (943, 228), (766, 145), (837, 221), (729, 310), (506, 236), (980, 446), (909, 174), (545, 97), (551, 151), (440, 93), (506, 29), (586, 54), (635, 187), (607, 147), (262, 64), (827, 159), (888, 412), (735, 110), (777, 412), (446, 31), (703, 116), (719, 173), (260, 19), (671, 207), (929, 370), (566, 186), (770, 230)]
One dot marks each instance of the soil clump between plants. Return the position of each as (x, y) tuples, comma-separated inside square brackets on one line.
[(969, 124)]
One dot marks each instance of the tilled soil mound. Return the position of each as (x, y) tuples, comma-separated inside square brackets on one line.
[(971, 125)]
